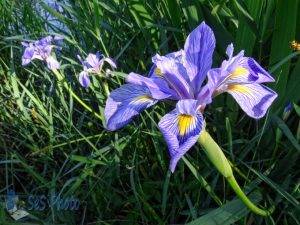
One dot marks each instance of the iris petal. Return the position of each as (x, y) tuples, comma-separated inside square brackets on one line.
[(93, 61), (111, 62), (28, 55), (181, 129), (198, 49), (52, 63), (210, 89), (176, 76), (84, 79), (125, 103), (254, 99), (158, 87), (259, 74)]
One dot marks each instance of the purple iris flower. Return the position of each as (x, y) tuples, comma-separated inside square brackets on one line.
[(93, 65), (181, 78), (41, 49)]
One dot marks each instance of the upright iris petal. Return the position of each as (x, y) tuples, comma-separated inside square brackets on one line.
[(181, 129), (198, 51), (175, 75), (94, 62)]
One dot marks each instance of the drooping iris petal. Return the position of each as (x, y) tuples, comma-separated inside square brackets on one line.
[(158, 87), (181, 129), (24, 44), (254, 99), (52, 63), (198, 49), (28, 55), (124, 103), (111, 62), (84, 63), (257, 72), (84, 79), (57, 38), (176, 76)]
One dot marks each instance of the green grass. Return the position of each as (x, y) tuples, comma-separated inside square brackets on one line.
[(122, 177)]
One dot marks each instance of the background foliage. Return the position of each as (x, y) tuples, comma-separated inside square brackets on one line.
[(48, 143)]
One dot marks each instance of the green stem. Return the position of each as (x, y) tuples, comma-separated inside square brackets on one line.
[(219, 160), (106, 87), (60, 78), (237, 189)]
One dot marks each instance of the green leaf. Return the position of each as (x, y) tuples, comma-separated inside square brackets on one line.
[(192, 12), (291, 93), (227, 214), (277, 188), (202, 181), (246, 35), (284, 128), (284, 32), (297, 108)]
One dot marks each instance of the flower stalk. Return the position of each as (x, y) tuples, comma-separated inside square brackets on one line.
[(219, 160), (60, 78), (106, 88)]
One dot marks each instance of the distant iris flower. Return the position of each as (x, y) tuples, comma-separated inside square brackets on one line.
[(181, 78), (41, 50), (93, 65)]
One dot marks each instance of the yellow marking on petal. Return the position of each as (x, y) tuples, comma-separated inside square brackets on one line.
[(158, 72), (184, 123), (238, 88), (237, 73), (143, 98)]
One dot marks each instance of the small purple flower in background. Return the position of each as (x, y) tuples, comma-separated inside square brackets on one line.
[(93, 65), (41, 50), (180, 77)]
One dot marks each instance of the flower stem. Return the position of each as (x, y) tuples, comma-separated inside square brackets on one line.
[(60, 78), (219, 160), (106, 87), (237, 189)]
